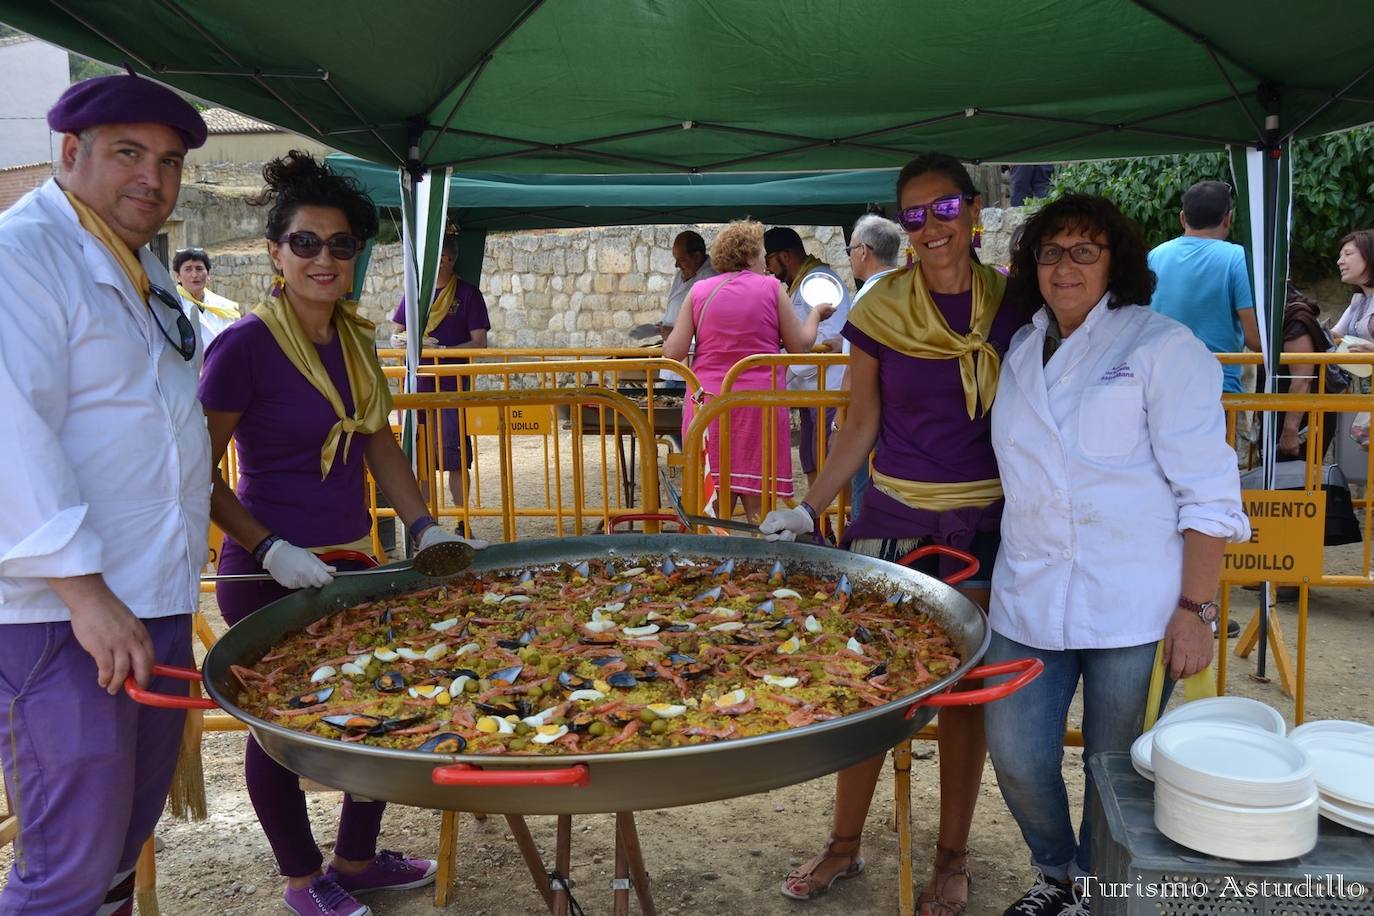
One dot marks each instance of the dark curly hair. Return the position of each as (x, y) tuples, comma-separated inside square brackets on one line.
[(1130, 281), (190, 254), (298, 180)]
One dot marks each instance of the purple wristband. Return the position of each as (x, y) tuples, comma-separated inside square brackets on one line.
[(418, 527), (260, 551)]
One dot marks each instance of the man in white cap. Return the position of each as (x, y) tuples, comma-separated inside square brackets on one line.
[(105, 488)]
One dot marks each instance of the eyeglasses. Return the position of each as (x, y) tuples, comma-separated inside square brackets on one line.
[(850, 249), (1082, 253), (343, 247), (187, 332), (945, 209)]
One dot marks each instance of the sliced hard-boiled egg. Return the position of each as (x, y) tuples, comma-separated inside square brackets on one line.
[(426, 691), (459, 685), (443, 625), (443, 698), (611, 608), (789, 646), (465, 648), (777, 680), (687, 625), (599, 626), (362, 660), (812, 624), (724, 612), (385, 655), (854, 645), (733, 698), (540, 718), (547, 734), (646, 630), (495, 725), (785, 593), (666, 710), (632, 571), (491, 598), (728, 626), (323, 674), (351, 670), (409, 654), (585, 694), (516, 599)]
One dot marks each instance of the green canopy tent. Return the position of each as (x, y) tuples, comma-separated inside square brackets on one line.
[(479, 203)]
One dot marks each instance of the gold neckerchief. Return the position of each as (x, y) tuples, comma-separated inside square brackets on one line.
[(442, 303), (206, 305), (125, 256), (898, 312), (371, 396), (810, 264)]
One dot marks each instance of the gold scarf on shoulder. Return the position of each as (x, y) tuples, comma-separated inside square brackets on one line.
[(442, 304), (810, 264), (125, 256), (371, 396), (898, 312), (219, 311)]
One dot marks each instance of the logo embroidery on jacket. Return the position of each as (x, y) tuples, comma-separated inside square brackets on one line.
[(1123, 370)]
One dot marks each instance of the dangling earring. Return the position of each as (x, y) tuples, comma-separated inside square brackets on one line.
[(978, 236), (278, 284)]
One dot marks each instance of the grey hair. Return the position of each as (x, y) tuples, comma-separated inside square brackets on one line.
[(881, 235)]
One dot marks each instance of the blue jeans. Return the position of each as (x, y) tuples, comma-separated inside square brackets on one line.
[(1025, 735), (857, 485)]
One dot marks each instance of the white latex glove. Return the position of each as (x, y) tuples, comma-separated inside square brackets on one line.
[(787, 524), (296, 567), (437, 535)]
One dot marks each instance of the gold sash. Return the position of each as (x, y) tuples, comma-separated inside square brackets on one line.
[(898, 312), (371, 396), (442, 304), (939, 497), (810, 264), (362, 545), (125, 256), (219, 311)]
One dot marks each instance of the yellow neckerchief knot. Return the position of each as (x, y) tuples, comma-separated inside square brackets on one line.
[(810, 264), (124, 256), (228, 310), (442, 304), (899, 312), (371, 396)]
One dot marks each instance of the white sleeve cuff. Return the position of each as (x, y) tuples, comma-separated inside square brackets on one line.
[(60, 548), (1216, 521)]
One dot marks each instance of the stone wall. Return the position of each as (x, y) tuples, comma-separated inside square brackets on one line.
[(564, 287)]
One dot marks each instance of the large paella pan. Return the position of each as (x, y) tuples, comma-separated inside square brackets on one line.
[(598, 782)]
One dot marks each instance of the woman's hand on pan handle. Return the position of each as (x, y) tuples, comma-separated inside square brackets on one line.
[(435, 534), (296, 567), (787, 524)]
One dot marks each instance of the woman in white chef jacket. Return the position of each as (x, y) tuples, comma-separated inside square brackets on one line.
[(1121, 495)]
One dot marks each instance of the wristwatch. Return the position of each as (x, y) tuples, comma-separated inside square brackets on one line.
[(1206, 611)]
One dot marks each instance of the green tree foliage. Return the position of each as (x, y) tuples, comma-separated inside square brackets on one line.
[(1333, 192), (83, 68)]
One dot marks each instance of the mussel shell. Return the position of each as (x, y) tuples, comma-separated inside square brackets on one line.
[(445, 743), (896, 599), (352, 722), (877, 670), (390, 682), (623, 588), (605, 660), (862, 634), (521, 709), (310, 698), (767, 607), (770, 624), (572, 681), (677, 658), (450, 673), (390, 725), (725, 569), (526, 577), (694, 670), (582, 569), (528, 636), (843, 587), (648, 674), (582, 721), (511, 644), (668, 567), (507, 675), (741, 639), (776, 574), (711, 594), (598, 639), (676, 627), (622, 679)]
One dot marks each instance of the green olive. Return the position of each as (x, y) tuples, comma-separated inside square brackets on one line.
[(596, 729), (469, 686), (518, 744), (647, 716), (659, 727), (731, 658), (535, 692), (522, 729)]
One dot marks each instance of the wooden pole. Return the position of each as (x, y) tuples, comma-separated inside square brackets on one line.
[(901, 765), (520, 831), (448, 857)]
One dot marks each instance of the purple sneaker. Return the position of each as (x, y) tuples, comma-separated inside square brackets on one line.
[(324, 897), (390, 871)]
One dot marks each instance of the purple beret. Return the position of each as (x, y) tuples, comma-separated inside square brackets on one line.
[(125, 99)]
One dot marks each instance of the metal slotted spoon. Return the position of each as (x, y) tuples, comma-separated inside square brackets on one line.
[(438, 561)]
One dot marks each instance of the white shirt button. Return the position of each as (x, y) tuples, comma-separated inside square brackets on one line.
[(1068, 554), (1058, 494)]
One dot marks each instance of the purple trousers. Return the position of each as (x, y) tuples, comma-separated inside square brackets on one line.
[(87, 772), (274, 790)]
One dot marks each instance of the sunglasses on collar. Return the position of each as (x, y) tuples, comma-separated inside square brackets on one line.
[(187, 333)]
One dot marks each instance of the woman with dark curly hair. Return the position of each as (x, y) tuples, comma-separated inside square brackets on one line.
[(297, 386), (1121, 495)]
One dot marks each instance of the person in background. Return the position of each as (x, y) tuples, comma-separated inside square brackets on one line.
[(786, 258), (692, 264), (105, 487), (1030, 182), (458, 318), (297, 386), (738, 313), (1356, 265), (192, 269), (927, 341), (1303, 333), (1203, 281), (874, 246), (1121, 494)]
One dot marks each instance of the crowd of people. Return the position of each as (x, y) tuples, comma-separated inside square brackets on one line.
[(1059, 421)]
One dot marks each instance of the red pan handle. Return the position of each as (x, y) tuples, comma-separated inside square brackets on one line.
[(648, 517), (357, 556), (1027, 669), (954, 552), (167, 700), (466, 774)]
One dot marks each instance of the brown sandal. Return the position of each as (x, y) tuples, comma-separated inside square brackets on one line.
[(803, 884), (937, 904)]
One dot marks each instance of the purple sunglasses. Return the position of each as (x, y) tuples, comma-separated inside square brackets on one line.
[(944, 208)]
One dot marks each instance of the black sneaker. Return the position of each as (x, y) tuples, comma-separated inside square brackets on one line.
[(1045, 898), (1080, 905)]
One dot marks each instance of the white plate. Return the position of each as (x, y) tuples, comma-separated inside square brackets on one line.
[(1240, 832), (1345, 816), (1331, 727), (1142, 750), (821, 289), (1362, 370), (398, 340), (1343, 766), (1233, 710), (1232, 764)]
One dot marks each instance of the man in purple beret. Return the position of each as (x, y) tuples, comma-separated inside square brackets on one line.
[(105, 489)]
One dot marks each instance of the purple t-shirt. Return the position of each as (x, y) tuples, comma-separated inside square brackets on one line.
[(469, 313), (925, 433), (282, 428)]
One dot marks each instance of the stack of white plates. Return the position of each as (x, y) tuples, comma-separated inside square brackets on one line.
[(1241, 711), (1234, 791), (1342, 755)]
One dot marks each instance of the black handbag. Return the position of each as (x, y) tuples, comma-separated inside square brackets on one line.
[(1342, 525)]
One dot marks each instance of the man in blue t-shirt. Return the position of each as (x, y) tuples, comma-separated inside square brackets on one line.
[(1204, 281)]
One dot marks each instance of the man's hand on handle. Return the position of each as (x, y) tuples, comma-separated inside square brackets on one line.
[(108, 631)]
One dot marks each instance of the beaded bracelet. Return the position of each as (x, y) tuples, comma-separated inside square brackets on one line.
[(260, 551)]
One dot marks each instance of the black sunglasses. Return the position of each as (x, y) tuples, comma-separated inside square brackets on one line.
[(187, 347), (343, 247)]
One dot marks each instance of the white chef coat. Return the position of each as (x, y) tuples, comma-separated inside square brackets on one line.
[(803, 377), (210, 323), (1107, 454), (107, 456)]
